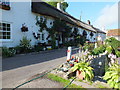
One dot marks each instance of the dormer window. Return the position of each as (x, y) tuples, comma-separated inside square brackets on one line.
[(5, 4)]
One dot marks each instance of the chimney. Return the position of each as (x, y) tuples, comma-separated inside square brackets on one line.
[(59, 6), (88, 22)]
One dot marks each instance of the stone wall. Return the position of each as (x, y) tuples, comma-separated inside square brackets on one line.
[(99, 64)]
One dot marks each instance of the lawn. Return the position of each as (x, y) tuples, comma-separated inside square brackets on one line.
[(64, 82)]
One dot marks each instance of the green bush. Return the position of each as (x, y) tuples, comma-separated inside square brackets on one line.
[(89, 46), (6, 52), (25, 45), (99, 50), (109, 49), (118, 53), (114, 43), (38, 48), (85, 68), (112, 76), (95, 51)]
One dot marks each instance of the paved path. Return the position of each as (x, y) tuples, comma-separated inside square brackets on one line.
[(19, 68)]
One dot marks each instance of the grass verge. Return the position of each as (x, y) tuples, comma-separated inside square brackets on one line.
[(64, 81)]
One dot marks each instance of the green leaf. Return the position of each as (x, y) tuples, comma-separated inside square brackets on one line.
[(83, 73), (116, 85), (107, 75)]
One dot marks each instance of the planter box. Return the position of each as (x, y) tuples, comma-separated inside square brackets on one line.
[(5, 7)]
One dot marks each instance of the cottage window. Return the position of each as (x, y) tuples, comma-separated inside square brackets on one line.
[(5, 31), (42, 36)]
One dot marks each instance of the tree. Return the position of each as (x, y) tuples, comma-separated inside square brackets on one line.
[(54, 3)]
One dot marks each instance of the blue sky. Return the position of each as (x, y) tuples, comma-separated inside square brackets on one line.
[(101, 14)]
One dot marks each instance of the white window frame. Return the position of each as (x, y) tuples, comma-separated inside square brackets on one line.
[(7, 40)]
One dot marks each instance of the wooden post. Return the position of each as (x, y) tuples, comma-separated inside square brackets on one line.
[(69, 53)]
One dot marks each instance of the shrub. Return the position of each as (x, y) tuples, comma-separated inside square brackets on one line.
[(112, 76), (109, 49), (38, 48), (114, 43), (95, 51), (89, 46), (6, 52), (85, 68), (99, 50), (118, 53), (25, 45)]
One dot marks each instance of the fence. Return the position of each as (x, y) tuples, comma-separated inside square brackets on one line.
[(70, 52)]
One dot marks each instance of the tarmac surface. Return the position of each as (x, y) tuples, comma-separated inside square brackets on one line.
[(16, 70)]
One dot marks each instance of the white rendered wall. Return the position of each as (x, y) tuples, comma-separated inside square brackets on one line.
[(19, 14)]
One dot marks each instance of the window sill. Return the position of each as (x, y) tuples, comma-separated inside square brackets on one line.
[(6, 41)]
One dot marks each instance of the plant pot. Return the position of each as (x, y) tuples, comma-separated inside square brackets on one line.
[(5, 7), (71, 65), (79, 75), (76, 61)]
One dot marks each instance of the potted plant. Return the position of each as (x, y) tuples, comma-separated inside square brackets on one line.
[(5, 6), (24, 28), (112, 76), (83, 70)]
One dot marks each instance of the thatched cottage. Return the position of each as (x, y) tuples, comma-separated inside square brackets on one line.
[(19, 20)]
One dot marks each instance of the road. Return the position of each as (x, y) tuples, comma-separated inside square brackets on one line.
[(18, 69)]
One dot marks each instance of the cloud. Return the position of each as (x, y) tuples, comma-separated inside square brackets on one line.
[(108, 17)]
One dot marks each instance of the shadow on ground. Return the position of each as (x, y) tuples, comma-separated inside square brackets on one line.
[(29, 59)]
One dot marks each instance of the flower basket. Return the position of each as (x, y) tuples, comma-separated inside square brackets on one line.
[(5, 7), (24, 29)]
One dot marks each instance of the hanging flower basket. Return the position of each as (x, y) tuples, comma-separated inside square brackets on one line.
[(24, 29), (5, 7)]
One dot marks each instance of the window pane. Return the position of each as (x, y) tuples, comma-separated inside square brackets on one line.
[(8, 25), (8, 33), (1, 28), (4, 28), (8, 29), (1, 33), (1, 37), (4, 37), (8, 37), (4, 33), (4, 25), (0, 24)]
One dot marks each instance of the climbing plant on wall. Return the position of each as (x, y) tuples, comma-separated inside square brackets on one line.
[(41, 22), (59, 26)]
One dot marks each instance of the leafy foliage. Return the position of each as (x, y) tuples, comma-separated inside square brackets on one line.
[(112, 76), (89, 46), (113, 45), (6, 52), (99, 50), (109, 49), (42, 23), (25, 45), (85, 68)]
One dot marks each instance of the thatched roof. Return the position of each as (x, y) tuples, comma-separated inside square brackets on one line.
[(48, 10)]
